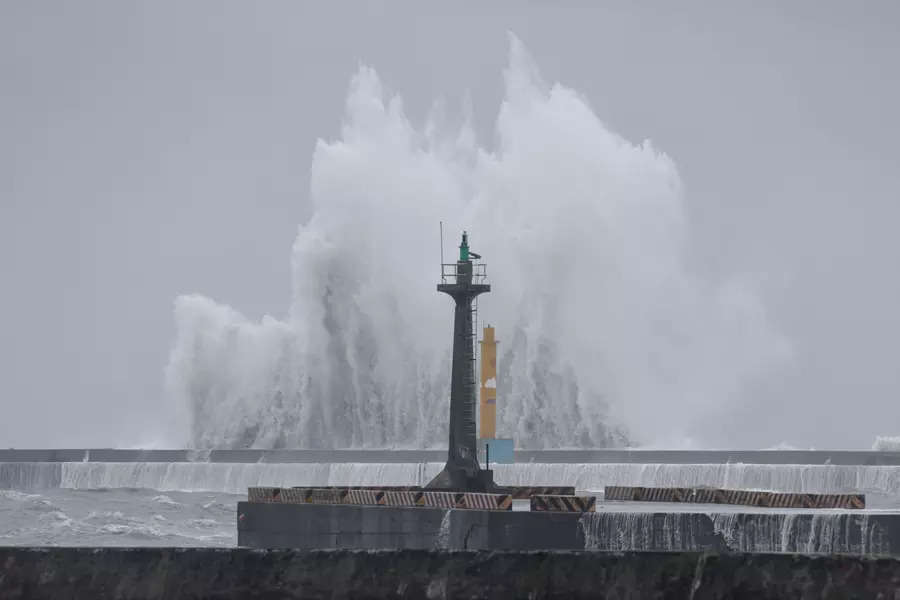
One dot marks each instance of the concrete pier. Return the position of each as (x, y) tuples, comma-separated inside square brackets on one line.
[(626, 528)]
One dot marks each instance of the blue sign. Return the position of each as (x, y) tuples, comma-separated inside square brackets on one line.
[(491, 451)]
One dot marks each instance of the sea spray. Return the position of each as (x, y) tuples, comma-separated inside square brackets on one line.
[(602, 325)]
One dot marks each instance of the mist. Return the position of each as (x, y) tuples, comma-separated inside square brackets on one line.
[(751, 302), (607, 338)]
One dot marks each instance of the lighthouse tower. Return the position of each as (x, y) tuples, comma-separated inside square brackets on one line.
[(463, 281)]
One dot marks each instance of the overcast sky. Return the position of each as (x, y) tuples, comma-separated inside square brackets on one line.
[(149, 149)]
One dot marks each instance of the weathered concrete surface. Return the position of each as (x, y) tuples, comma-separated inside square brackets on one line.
[(319, 526), (696, 457), (150, 573)]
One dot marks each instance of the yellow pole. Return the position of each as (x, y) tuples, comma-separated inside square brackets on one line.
[(488, 397)]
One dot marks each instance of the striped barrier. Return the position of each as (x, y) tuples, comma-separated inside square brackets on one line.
[(442, 499), (560, 503), (526, 492), (741, 497), (296, 495), (332, 494), (265, 494), (380, 496), (324, 496), (277, 495), (517, 492), (386, 488), (646, 494), (463, 500), (261, 494), (478, 501), (404, 498), (365, 497)]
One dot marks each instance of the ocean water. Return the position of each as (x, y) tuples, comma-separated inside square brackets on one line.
[(117, 517)]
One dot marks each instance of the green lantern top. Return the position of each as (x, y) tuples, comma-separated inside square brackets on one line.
[(464, 248)]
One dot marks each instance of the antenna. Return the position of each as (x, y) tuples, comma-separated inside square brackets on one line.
[(442, 250)]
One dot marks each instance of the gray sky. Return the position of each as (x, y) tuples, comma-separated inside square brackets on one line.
[(155, 148)]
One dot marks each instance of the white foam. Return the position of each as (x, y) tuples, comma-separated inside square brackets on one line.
[(601, 322), (165, 500)]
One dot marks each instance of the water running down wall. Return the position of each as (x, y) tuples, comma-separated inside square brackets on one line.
[(237, 477), (820, 533)]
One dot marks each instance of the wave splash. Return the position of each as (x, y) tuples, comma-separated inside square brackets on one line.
[(602, 328)]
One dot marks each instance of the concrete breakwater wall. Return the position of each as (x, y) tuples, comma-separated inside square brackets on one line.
[(375, 455), (319, 526), (237, 477), (150, 573)]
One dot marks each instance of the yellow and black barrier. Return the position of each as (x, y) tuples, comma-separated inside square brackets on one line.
[(739, 497), (387, 496), (646, 494), (560, 503), (387, 488), (526, 492), (365, 496), (296, 495), (404, 498), (461, 500), (473, 500)]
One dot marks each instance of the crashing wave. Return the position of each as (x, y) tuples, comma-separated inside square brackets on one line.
[(603, 329)]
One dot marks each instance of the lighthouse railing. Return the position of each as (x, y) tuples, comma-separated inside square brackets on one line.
[(449, 272)]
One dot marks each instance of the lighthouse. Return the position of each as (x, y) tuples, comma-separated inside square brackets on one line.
[(463, 281)]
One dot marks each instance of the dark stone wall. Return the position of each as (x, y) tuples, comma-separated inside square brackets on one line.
[(150, 573)]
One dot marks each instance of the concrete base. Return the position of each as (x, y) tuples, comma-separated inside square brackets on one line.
[(320, 526), (316, 526), (457, 479)]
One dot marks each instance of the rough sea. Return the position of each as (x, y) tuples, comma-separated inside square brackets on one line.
[(117, 517)]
